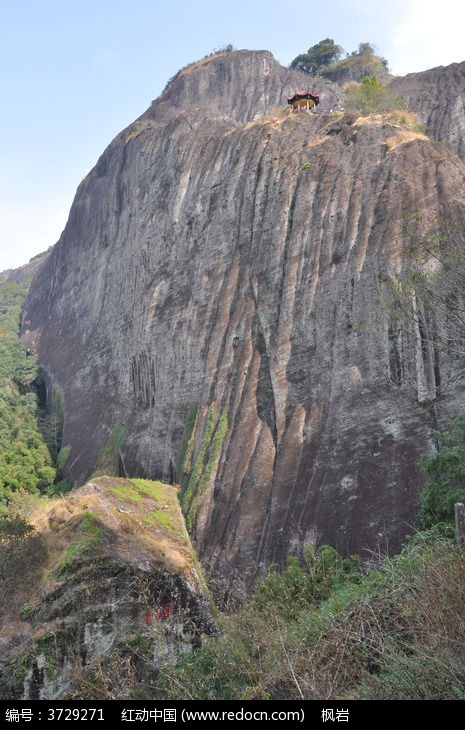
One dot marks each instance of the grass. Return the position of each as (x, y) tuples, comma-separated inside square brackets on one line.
[(135, 490), (406, 119), (167, 514), (90, 527), (91, 536), (27, 611), (126, 493), (396, 633), (161, 517), (153, 489)]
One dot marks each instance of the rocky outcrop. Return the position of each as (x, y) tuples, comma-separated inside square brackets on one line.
[(220, 279), (355, 68), (438, 96), (120, 586), (239, 87)]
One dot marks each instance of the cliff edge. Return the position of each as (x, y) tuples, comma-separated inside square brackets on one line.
[(118, 573)]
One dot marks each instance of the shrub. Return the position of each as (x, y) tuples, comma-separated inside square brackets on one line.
[(395, 633), (371, 97), (445, 476), (307, 584), (22, 553)]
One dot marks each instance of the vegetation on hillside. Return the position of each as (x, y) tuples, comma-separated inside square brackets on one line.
[(445, 476), (362, 73), (370, 96), (25, 460), (318, 632), (326, 58), (22, 552), (395, 633)]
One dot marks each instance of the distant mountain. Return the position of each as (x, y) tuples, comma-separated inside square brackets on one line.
[(22, 272)]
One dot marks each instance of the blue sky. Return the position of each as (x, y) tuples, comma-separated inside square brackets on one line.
[(73, 73)]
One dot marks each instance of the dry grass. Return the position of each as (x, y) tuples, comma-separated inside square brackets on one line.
[(402, 137), (400, 634), (137, 128), (401, 127), (202, 62), (140, 523)]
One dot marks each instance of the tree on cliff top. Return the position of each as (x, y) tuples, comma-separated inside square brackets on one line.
[(319, 55), (325, 59), (364, 49)]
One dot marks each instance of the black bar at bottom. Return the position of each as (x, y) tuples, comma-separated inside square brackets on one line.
[(171, 714)]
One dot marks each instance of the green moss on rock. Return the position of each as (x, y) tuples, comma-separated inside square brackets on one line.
[(205, 464)]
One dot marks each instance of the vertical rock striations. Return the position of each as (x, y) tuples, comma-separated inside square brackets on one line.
[(227, 269)]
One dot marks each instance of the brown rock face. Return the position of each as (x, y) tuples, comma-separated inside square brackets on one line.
[(233, 263)]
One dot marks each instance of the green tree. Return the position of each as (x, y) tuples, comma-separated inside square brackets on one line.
[(319, 55), (364, 49), (25, 460), (22, 552), (371, 97), (445, 476)]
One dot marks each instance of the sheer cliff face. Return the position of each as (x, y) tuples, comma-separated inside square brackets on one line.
[(234, 263)]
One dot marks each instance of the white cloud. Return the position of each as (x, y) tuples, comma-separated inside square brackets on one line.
[(427, 34)]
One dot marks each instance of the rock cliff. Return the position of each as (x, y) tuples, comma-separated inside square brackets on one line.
[(216, 292), (120, 581), (438, 96)]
